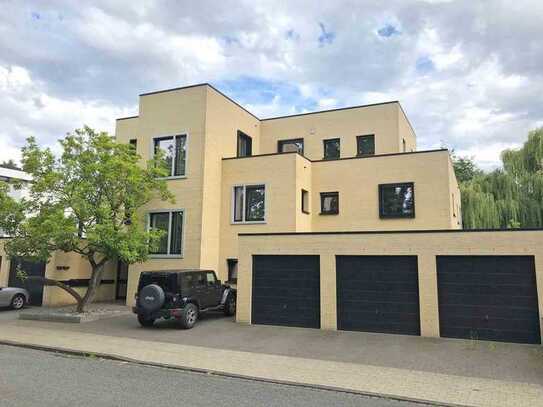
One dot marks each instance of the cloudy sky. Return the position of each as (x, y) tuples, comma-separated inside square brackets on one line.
[(468, 73)]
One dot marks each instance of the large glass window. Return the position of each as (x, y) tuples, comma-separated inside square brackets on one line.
[(172, 225), (331, 149), (174, 151), (365, 145), (249, 203), (329, 203), (397, 200), (287, 146), (245, 145)]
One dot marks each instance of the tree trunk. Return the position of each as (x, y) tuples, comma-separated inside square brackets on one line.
[(94, 283), (54, 283)]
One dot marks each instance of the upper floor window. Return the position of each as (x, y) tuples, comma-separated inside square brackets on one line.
[(286, 146), (305, 201), (329, 203), (331, 149), (245, 145), (171, 223), (365, 145), (174, 153), (397, 200), (249, 203)]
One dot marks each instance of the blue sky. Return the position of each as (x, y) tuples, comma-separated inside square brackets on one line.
[(469, 77)]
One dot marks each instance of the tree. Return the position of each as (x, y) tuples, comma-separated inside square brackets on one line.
[(85, 201), (10, 164), (509, 197), (465, 168)]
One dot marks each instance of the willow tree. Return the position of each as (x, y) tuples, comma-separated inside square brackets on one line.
[(509, 197), (85, 200)]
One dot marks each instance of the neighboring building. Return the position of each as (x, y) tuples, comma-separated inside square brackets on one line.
[(11, 176), (69, 268), (350, 169)]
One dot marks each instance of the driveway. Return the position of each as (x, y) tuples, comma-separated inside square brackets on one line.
[(491, 360)]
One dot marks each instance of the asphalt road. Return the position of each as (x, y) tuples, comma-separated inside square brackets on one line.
[(37, 378)]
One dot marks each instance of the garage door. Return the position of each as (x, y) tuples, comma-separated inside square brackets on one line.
[(378, 294), (34, 287), (286, 291), (488, 297)]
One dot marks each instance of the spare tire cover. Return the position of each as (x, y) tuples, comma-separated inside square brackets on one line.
[(151, 297)]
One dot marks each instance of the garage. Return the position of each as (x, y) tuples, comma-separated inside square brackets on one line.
[(378, 294), (488, 298), (286, 291), (34, 287)]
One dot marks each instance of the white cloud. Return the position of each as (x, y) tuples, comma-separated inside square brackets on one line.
[(476, 89), (27, 110)]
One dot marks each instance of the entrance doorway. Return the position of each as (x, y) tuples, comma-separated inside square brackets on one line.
[(122, 280)]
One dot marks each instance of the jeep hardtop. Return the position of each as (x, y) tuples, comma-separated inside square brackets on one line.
[(181, 294)]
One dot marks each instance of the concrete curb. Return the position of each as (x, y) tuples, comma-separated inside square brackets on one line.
[(226, 374)]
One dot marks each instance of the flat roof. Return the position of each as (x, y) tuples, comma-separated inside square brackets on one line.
[(356, 157), (386, 232), (14, 174), (252, 114)]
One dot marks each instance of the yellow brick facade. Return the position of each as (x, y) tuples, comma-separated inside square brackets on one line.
[(211, 122), (425, 245)]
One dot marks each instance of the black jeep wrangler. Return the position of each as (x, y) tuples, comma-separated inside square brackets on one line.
[(181, 294)]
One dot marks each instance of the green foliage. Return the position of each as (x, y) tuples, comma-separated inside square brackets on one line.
[(465, 168), (85, 201), (511, 197), (10, 164)]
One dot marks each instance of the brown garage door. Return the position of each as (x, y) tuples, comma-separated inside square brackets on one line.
[(488, 297)]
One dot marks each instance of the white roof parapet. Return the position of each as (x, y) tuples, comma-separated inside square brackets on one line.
[(14, 174)]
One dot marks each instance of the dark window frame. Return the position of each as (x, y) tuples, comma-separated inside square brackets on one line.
[(249, 140), (280, 144), (383, 215), (174, 164), (361, 137), (324, 148), (245, 208), (232, 269), (325, 195), (169, 233), (304, 209)]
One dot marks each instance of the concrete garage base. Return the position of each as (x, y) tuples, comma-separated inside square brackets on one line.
[(68, 314)]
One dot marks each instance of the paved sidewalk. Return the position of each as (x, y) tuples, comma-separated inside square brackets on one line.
[(402, 383)]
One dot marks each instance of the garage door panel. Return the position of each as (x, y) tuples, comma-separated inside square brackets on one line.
[(488, 297), (286, 291), (378, 294)]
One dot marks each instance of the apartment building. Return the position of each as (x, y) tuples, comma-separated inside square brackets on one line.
[(350, 169)]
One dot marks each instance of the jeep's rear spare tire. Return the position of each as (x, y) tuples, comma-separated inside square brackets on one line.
[(151, 298)]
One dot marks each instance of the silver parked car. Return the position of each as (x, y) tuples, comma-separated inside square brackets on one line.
[(13, 297)]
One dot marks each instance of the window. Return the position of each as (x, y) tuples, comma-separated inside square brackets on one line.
[(397, 200), (245, 145), (286, 146), (365, 145), (133, 143), (232, 270), (174, 152), (249, 203), (172, 224), (329, 203), (404, 148), (305, 201), (331, 149), (211, 279)]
